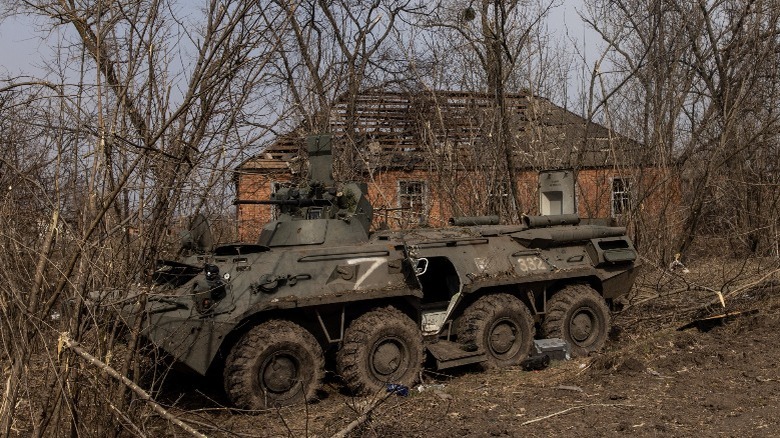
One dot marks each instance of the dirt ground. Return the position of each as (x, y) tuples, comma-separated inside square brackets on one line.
[(652, 379)]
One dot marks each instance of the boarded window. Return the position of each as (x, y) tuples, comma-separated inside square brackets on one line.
[(621, 196), (412, 199)]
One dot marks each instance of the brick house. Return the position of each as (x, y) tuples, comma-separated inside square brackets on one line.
[(427, 157)]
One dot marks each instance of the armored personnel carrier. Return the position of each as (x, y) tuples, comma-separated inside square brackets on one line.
[(318, 281)]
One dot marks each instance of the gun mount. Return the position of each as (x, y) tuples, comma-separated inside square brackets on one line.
[(321, 211)]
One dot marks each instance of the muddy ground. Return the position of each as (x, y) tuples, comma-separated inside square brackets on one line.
[(652, 379)]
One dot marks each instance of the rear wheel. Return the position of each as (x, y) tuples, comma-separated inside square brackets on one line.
[(501, 326), (276, 363), (580, 316), (380, 347)]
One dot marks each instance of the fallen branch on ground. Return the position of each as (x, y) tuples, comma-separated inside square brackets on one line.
[(365, 415), (143, 395), (574, 408), (748, 285)]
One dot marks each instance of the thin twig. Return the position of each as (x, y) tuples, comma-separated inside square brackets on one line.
[(574, 408), (127, 420), (365, 415), (750, 285)]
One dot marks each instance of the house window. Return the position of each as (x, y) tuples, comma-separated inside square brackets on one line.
[(621, 196), (412, 200)]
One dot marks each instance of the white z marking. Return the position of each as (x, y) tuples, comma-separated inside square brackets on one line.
[(375, 263)]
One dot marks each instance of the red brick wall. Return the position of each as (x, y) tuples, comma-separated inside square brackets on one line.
[(655, 192), (256, 187), (383, 194), (656, 215), (461, 194)]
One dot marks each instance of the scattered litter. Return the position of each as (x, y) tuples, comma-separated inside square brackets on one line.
[(435, 386), (677, 265), (546, 350), (556, 348), (398, 389)]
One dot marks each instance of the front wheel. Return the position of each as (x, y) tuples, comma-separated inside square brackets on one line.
[(500, 325), (580, 316), (275, 363), (380, 347)]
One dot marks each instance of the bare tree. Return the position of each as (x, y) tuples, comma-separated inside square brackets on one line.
[(331, 53), (148, 116), (699, 78), (498, 48)]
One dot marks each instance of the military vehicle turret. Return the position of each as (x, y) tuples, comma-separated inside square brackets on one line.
[(318, 280)]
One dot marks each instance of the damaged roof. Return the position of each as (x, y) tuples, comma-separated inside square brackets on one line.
[(400, 130)]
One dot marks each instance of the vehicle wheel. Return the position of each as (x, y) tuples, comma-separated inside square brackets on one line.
[(501, 326), (380, 347), (580, 316), (275, 363)]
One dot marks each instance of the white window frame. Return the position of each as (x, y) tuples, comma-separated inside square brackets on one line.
[(405, 199), (620, 198)]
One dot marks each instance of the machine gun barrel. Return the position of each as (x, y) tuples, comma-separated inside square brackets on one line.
[(473, 220), (304, 202)]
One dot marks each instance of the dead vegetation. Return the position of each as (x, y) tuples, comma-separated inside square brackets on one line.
[(652, 378), (129, 131)]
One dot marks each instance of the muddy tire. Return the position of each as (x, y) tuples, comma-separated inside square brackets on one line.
[(380, 347), (276, 363), (500, 325), (580, 316)]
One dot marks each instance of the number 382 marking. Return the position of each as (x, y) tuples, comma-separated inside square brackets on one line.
[(531, 264)]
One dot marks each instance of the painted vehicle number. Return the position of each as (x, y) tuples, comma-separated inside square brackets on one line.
[(531, 264)]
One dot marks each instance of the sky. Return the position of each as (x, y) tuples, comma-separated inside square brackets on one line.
[(22, 51), (21, 48)]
